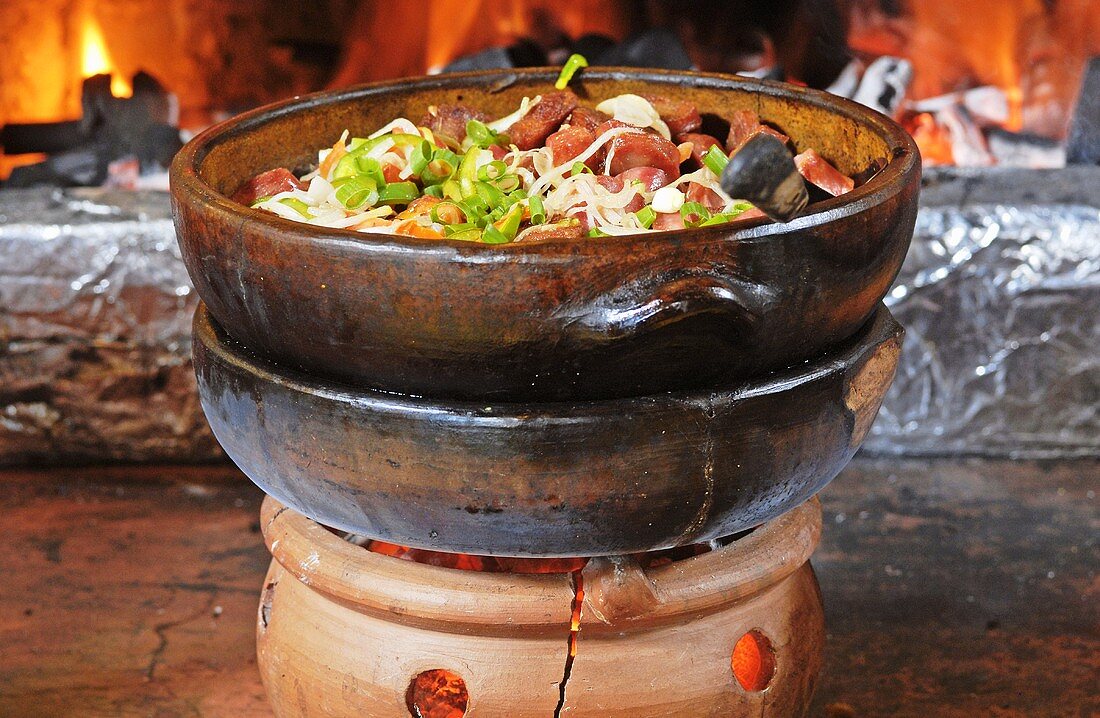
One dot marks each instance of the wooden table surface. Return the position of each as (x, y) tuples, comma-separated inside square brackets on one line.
[(952, 588)]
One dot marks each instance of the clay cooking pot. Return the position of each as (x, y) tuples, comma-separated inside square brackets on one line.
[(562, 319)]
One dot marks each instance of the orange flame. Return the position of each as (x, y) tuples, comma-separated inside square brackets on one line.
[(95, 60)]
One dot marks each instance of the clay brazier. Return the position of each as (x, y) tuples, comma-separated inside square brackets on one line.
[(737, 631)]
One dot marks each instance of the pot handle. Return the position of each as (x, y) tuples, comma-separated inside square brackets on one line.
[(631, 311)]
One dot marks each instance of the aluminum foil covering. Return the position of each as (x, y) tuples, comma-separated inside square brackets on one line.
[(95, 312), (1001, 303)]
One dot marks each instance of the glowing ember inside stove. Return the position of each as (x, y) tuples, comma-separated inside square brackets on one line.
[(437, 694)]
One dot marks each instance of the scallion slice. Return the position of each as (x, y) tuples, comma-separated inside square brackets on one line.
[(694, 214), (357, 191), (580, 168), (574, 63), (398, 193), (297, 205), (492, 235), (715, 160), (480, 134), (538, 212), (646, 216)]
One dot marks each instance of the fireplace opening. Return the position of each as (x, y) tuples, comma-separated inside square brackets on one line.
[(999, 91)]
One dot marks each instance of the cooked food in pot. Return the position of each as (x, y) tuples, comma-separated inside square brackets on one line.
[(553, 168)]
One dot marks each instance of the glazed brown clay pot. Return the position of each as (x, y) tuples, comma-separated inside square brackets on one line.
[(555, 479), (342, 631), (585, 318)]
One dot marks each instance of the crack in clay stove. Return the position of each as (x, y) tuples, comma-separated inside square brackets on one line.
[(574, 630)]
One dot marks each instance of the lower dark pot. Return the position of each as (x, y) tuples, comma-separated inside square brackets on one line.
[(559, 479)]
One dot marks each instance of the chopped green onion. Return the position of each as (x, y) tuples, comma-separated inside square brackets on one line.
[(420, 157), (720, 218), (398, 193), (507, 183), (492, 235), (480, 134), (261, 200), (738, 208), (468, 235), (467, 171), (715, 160), (441, 166), (597, 232), (491, 171), (694, 214), (297, 205), (445, 213), (358, 191), (574, 63), (492, 196), (435, 190), (580, 168), (646, 216), (538, 212), (452, 190), (475, 209), (508, 225), (452, 229)]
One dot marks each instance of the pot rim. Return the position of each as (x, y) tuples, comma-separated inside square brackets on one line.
[(879, 329), (903, 160), (455, 599)]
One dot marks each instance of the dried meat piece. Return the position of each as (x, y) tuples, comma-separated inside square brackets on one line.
[(266, 184), (700, 144), (651, 178), (557, 230), (617, 184), (567, 143), (680, 116), (643, 149), (448, 122), (743, 124), (586, 117), (668, 220), (705, 196), (541, 120), (817, 170)]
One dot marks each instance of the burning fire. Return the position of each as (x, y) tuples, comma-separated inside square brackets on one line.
[(95, 60)]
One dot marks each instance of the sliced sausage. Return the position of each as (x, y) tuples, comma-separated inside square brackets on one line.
[(266, 184), (652, 178), (567, 143), (705, 196), (644, 150), (586, 117), (743, 124), (449, 121), (700, 144), (557, 230), (817, 170), (668, 220), (680, 116), (533, 128)]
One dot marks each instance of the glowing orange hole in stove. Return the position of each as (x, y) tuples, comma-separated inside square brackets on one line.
[(437, 694), (753, 661)]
